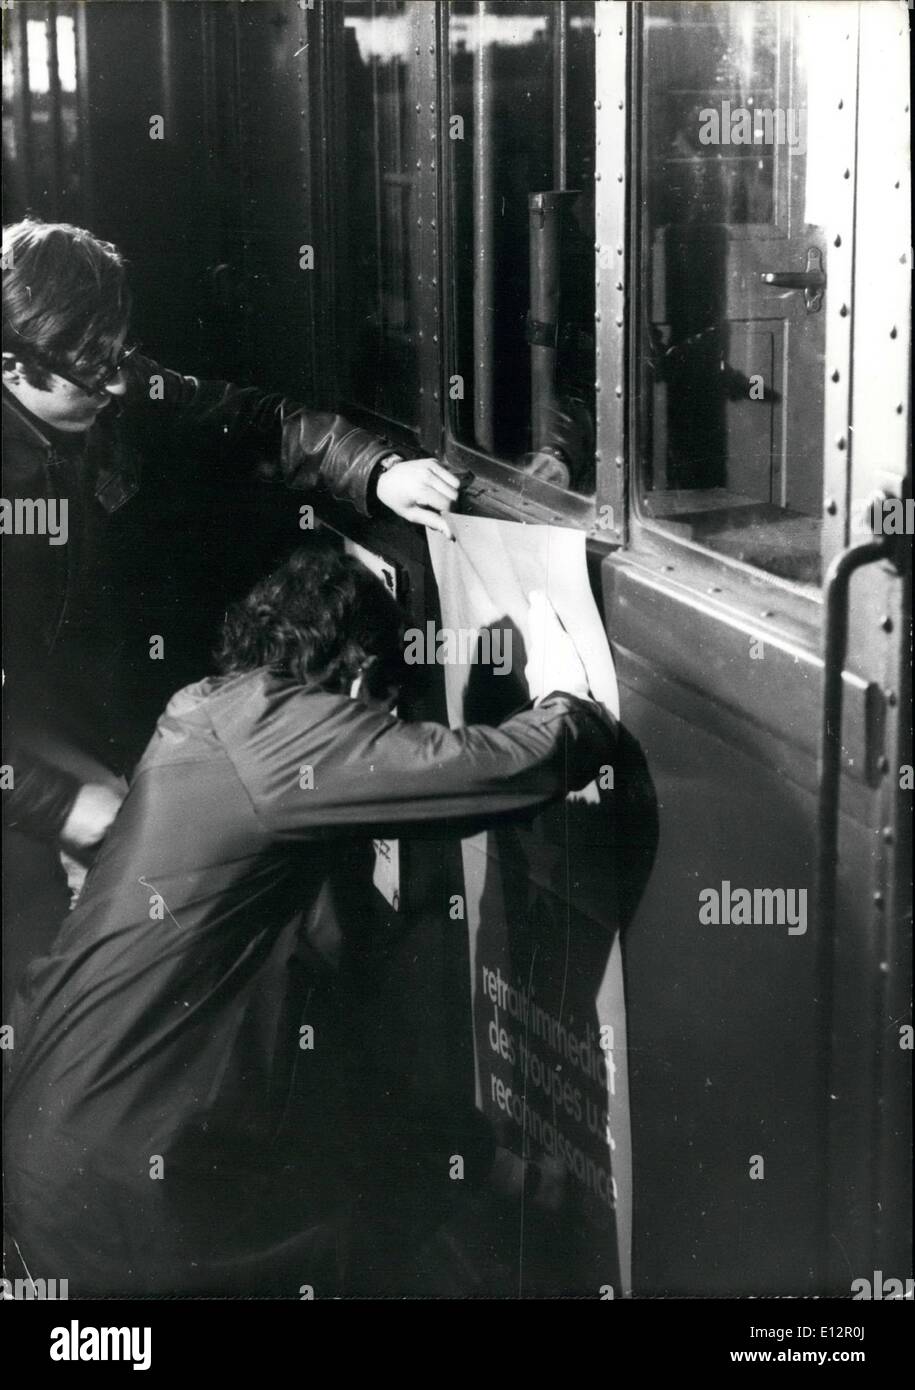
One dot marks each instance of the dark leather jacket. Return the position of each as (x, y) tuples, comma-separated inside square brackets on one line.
[(70, 610)]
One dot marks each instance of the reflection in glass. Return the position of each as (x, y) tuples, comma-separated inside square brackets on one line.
[(731, 368), (522, 214), (377, 216)]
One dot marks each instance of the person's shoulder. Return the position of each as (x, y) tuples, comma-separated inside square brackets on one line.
[(243, 703)]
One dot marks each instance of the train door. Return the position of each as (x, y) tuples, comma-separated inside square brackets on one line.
[(725, 197), (762, 970), (533, 236)]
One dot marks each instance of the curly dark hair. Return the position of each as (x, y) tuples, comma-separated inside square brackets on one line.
[(66, 299), (322, 618)]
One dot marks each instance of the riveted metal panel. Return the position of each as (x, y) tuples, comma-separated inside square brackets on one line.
[(610, 184), (426, 22), (839, 87)]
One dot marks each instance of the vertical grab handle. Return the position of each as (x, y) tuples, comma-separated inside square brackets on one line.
[(838, 579)]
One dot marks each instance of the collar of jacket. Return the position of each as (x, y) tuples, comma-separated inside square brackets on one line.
[(117, 481)]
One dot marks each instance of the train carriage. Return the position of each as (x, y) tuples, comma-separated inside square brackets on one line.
[(640, 271)]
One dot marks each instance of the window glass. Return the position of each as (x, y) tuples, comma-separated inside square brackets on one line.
[(41, 154), (375, 229), (733, 263), (521, 146)]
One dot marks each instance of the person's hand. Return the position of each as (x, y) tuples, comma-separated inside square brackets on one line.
[(552, 660), (419, 490), (90, 817), (77, 873)]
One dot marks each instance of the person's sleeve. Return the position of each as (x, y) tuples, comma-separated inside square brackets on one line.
[(41, 796), (266, 434), (361, 772)]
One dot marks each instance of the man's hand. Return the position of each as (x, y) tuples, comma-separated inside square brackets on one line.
[(419, 490), (553, 662), (90, 817)]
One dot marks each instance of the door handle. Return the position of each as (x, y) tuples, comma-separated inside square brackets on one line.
[(812, 280), (836, 592)]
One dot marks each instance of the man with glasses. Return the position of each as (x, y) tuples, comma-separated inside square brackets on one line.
[(118, 444)]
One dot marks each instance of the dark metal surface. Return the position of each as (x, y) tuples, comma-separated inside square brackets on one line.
[(483, 235)]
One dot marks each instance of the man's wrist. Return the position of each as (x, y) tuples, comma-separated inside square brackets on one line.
[(381, 466)]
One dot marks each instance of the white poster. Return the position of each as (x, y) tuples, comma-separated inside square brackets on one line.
[(545, 958)]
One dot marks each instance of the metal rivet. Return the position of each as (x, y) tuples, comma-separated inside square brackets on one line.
[(714, 589), (883, 763), (768, 613), (886, 623), (835, 375), (838, 241), (618, 322), (894, 332), (597, 316), (841, 103), (899, 409), (887, 835), (878, 900), (891, 698), (843, 311), (831, 506), (619, 390), (840, 442)]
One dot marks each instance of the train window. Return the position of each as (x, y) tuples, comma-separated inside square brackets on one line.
[(376, 240), (732, 270), (520, 133), (41, 111)]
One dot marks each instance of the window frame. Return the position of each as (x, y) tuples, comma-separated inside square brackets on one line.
[(497, 486), (423, 69), (794, 609)]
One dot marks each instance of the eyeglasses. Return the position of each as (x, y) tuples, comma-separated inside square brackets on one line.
[(102, 378)]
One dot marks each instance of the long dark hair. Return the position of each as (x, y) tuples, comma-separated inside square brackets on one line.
[(321, 618)]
